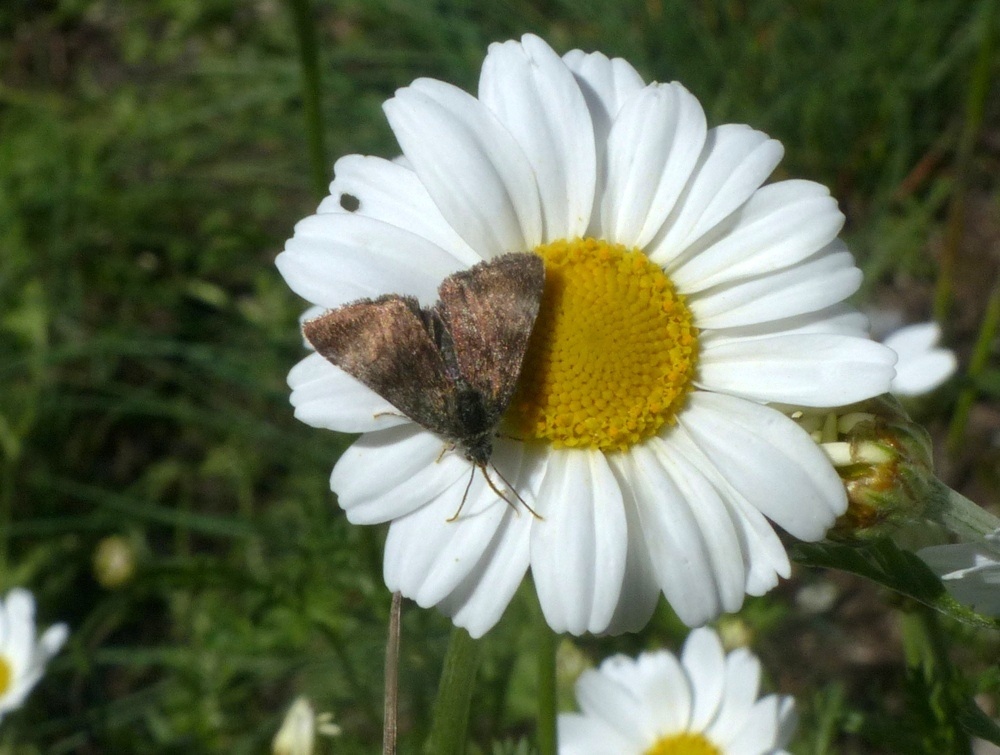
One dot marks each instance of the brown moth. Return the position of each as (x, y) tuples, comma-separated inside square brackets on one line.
[(451, 368)]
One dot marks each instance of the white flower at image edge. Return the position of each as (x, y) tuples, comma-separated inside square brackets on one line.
[(970, 572), (921, 364), (704, 703), (682, 295), (22, 658)]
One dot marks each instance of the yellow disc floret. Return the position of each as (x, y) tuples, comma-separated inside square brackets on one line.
[(612, 354), (6, 676), (683, 744)]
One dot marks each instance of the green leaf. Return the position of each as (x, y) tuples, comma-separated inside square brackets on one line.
[(885, 563), (976, 723)]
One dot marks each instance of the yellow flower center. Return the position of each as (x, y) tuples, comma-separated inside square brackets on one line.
[(613, 351), (683, 744), (6, 676)]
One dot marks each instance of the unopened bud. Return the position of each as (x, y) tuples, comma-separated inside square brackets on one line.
[(114, 562), (885, 461)]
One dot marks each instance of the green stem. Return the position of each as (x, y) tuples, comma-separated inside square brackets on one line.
[(305, 32), (977, 366), (6, 509), (966, 518), (975, 104), (451, 709), (926, 650), (546, 642)]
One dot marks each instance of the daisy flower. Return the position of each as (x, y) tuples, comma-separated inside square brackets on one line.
[(922, 365), (704, 703), (682, 296), (22, 658)]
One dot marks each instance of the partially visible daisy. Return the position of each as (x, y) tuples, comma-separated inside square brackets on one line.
[(704, 703), (922, 365), (22, 658), (969, 571), (682, 297)]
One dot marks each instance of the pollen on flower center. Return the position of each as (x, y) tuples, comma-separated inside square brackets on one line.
[(612, 353), (683, 744), (6, 676)]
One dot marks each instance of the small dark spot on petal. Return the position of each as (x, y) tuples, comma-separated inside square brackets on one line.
[(350, 202)]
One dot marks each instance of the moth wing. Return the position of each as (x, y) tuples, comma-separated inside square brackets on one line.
[(489, 311), (385, 344)]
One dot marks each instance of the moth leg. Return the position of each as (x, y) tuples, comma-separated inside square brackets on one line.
[(388, 414), (445, 449), (465, 495)]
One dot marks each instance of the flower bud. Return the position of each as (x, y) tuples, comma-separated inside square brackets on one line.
[(114, 562), (885, 461)]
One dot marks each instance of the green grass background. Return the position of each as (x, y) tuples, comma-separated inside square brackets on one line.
[(153, 159)]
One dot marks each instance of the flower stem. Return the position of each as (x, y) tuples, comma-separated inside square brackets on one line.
[(390, 714), (966, 518), (305, 32), (546, 648), (977, 366), (975, 107), (929, 666), (451, 709)]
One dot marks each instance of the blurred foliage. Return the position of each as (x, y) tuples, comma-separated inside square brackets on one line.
[(153, 160)]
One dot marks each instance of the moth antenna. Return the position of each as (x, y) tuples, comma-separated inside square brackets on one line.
[(465, 495), (512, 490)]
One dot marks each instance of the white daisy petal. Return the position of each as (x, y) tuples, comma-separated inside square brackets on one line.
[(802, 369), (665, 689), (534, 95), (20, 644), (740, 689), (390, 473), (764, 556), (390, 192), (606, 85), (705, 663), (479, 601), (654, 143), (780, 225), (819, 282), (602, 697), (325, 396), (840, 319), (578, 552), (582, 735), (770, 459), (50, 643), (969, 571), (924, 374), (726, 716), (640, 587), (761, 729), (427, 556), (922, 366), (489, 196), (679, 552), (337, 258), (21, 656), (734, 163), (718, 533)]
